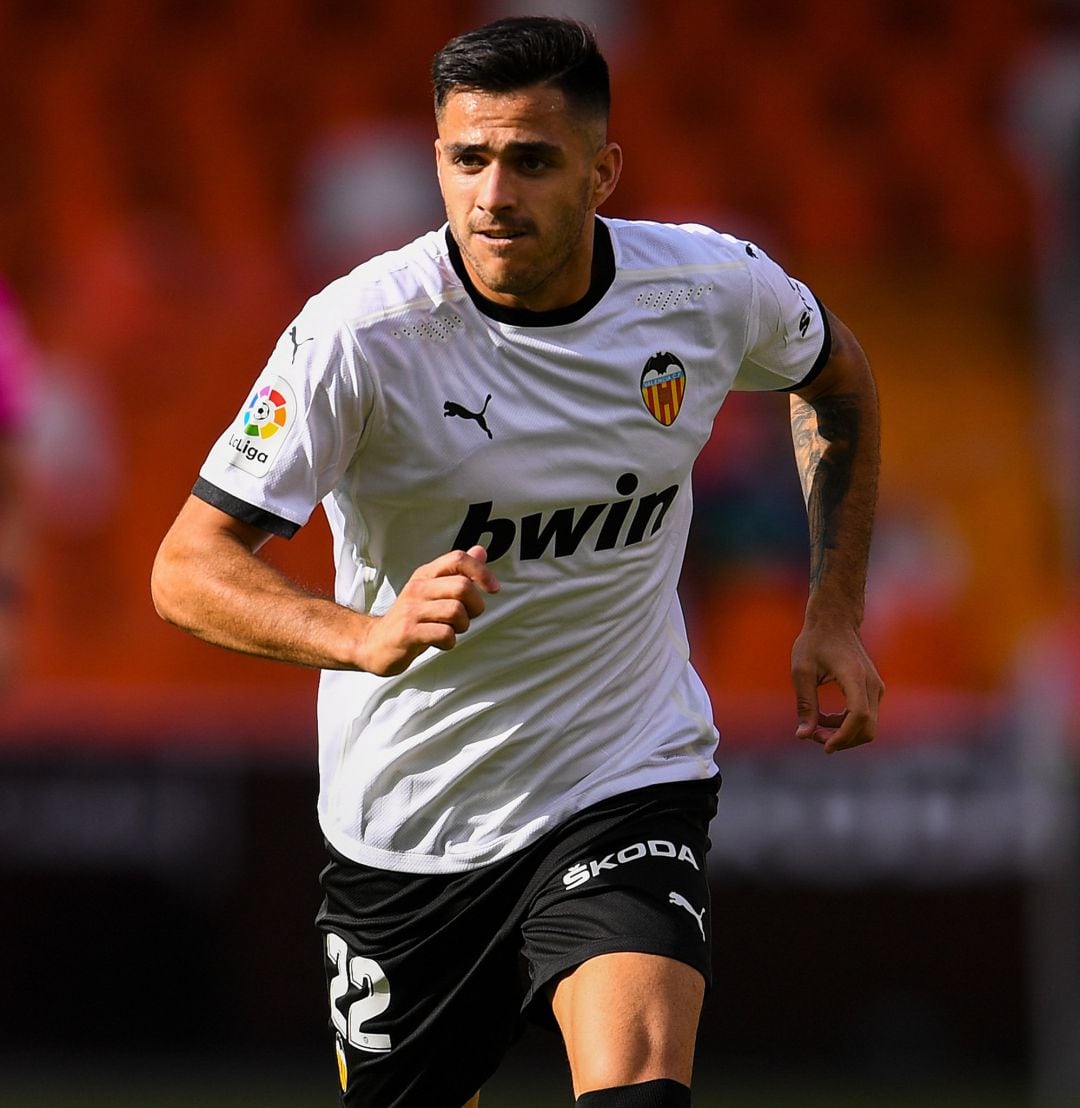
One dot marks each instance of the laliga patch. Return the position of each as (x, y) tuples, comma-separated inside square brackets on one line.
[(663, 386), (258, 434)]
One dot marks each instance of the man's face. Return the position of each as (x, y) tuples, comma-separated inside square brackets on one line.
[(522, 177)]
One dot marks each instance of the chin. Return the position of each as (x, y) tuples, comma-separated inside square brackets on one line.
[(507, 282)]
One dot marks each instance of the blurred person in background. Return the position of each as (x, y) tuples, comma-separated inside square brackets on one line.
[(16, 359), (1043, 129), (500, 420)]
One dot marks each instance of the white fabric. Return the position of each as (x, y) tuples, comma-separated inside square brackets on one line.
[(575, 684)]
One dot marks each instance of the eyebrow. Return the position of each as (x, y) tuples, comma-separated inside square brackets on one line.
[(516, 149)]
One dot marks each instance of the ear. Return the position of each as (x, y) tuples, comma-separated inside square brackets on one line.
[(439, 163), (607, 167)]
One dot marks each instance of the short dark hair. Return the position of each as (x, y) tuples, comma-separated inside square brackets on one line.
[(515, 53)]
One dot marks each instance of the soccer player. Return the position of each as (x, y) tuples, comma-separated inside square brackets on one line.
[(500, 420)]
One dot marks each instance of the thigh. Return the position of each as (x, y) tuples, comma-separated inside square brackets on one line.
[(629, 1018), (424, 982), (630, 878), (619, 936)]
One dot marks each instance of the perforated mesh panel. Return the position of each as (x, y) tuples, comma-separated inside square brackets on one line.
[(438, 329), (663, 300)]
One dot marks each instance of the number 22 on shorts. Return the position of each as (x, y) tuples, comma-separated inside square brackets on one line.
[(366, 975)]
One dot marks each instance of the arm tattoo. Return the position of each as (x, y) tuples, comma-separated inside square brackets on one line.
[(809, 445), (826, 439)]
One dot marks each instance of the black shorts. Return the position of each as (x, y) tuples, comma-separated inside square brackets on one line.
[(429, 977)]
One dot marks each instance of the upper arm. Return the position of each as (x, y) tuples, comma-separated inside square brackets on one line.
[(786, 337), (846, 370), (200, 547), (837, 406), (199, 525), (200, 535)]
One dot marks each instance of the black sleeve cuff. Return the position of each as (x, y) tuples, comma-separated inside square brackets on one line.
[(823, 356), (243, 511)]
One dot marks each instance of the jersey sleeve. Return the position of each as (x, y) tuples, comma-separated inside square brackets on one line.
[(297, 429), (787, 340)]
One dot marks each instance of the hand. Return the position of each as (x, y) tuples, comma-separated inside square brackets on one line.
[(436, 604), (831, 655)]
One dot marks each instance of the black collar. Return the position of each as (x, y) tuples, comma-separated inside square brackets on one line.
[(603, 273)]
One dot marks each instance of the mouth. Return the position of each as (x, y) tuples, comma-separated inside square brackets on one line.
[(500, 234)]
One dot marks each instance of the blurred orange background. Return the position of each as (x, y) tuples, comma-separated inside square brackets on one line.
[(179, 177)]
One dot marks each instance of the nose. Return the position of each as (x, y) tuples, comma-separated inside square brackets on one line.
[(496, 191)]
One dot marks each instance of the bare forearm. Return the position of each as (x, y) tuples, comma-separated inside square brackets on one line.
[(208, 580), (836, 437), (836, 430), (230, 597)]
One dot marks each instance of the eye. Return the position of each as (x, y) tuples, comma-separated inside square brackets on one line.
[(533, 163)]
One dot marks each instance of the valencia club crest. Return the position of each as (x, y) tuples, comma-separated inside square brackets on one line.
[(663, 385)]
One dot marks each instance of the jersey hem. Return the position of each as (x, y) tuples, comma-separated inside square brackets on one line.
[(242, 510), (432, 864), (823, 355)]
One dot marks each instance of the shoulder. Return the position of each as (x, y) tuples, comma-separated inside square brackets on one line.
[(646, 245), (417, 277)]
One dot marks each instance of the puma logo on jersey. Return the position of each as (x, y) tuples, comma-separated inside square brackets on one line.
[(680, 901), (296, 345), (581, 872), (452, 409), (565, 529)]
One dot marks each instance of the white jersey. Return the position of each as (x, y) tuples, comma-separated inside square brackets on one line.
[(427, 419)]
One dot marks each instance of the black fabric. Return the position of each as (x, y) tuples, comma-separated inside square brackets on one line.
[(659, 1094), (649, 1094), (445, 965), (243, 511), (603, 274)]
